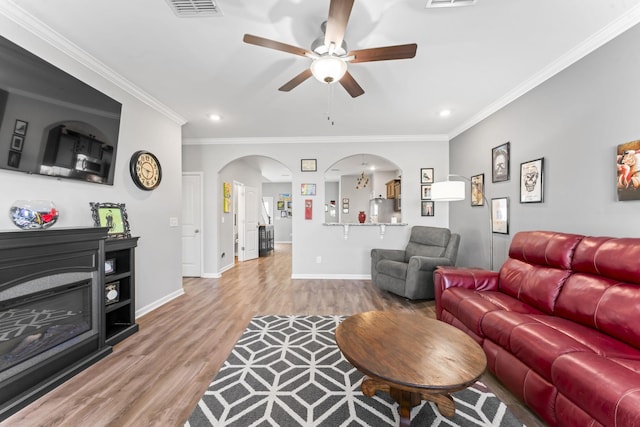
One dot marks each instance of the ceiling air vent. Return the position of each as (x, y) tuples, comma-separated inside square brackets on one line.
[(194, 8), (449, 3)]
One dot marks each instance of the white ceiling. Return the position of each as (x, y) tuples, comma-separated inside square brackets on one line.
[(471, 60)]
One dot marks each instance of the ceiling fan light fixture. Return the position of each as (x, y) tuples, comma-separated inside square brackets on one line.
[(328, 69)]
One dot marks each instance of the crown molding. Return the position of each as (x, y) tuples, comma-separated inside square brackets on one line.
[(39, 29), (606, 34), (317, 139)]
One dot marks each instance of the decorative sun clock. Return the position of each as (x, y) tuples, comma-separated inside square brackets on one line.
[(145, 169)]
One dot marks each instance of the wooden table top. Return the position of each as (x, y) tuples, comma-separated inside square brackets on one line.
[(411, 351)]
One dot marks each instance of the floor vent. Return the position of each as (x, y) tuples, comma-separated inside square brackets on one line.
[(449, 3), (194, 8)]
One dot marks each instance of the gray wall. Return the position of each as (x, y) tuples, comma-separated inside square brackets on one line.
[(158, 257), (358, 197), (281, 225), (319, 251), (332, 193), (239, 172), (574, 120)]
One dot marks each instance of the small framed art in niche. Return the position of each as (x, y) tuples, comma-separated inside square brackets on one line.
[(309, 165)]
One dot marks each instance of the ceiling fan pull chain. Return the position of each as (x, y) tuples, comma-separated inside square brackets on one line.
[(329, 93)]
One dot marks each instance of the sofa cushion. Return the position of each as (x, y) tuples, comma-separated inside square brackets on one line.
[(427, 241), (536, 285), (604, 388), (499, 325), (538, 340), (605, 304), (470, 306), (546, 248), (608, 257)]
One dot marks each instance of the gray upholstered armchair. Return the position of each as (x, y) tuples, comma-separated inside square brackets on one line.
[(409, 272)]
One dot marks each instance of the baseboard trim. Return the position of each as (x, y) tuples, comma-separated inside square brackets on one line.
[(158, 303), (332, 276), (211, 275)]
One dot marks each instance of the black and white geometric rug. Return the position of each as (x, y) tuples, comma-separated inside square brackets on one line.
[(288, 371)]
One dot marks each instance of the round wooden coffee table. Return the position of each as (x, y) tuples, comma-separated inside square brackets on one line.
[(411, 357)]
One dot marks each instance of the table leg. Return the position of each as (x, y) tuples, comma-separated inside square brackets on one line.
[(405, 399), (444, 402), (370, 386)]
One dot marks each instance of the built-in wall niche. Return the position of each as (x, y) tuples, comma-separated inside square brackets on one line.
[(358, 183), (52, 123)]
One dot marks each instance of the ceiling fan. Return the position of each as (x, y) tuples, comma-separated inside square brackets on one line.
[(330, 55)]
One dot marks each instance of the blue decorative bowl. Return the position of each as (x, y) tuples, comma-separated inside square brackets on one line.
[(33, 214)]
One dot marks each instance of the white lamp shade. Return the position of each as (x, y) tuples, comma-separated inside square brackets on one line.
[(447, 191), (328, 69)]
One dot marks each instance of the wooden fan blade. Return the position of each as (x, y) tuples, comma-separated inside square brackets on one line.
[(296, 80), (339, 12), (272, 44), (404, 51), (348, 82)]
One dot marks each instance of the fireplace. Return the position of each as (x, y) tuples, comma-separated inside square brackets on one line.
[(33, 326), (51, 306)]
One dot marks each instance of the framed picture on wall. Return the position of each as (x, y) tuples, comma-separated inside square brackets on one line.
[(477, 190), (500, 215), (16, 142), (309, 165), (307, 189), (425, 192), (627, 164), (14, 159), (20, 127), (426, 176), (428, 208), (500, 158), (531, 181)]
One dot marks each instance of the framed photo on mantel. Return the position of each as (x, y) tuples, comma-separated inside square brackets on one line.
[(111, 215)]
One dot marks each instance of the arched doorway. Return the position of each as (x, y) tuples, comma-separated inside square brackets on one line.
[(254, 179)]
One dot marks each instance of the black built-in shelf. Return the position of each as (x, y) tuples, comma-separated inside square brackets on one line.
[(120, 319)]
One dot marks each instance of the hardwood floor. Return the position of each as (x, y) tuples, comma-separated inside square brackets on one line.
[(156, 377)]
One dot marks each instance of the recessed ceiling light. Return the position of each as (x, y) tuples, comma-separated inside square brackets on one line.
[(449, 3), (445, 113), (215, 117)]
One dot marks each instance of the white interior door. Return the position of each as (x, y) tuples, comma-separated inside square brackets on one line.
[(192, 224), (251, 216)]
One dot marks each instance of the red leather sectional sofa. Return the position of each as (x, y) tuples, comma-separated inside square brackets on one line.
[(559, 323)]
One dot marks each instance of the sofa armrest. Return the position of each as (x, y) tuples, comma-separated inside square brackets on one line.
[(428, 263), (380, 254), (470, 278), (392, 254)]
